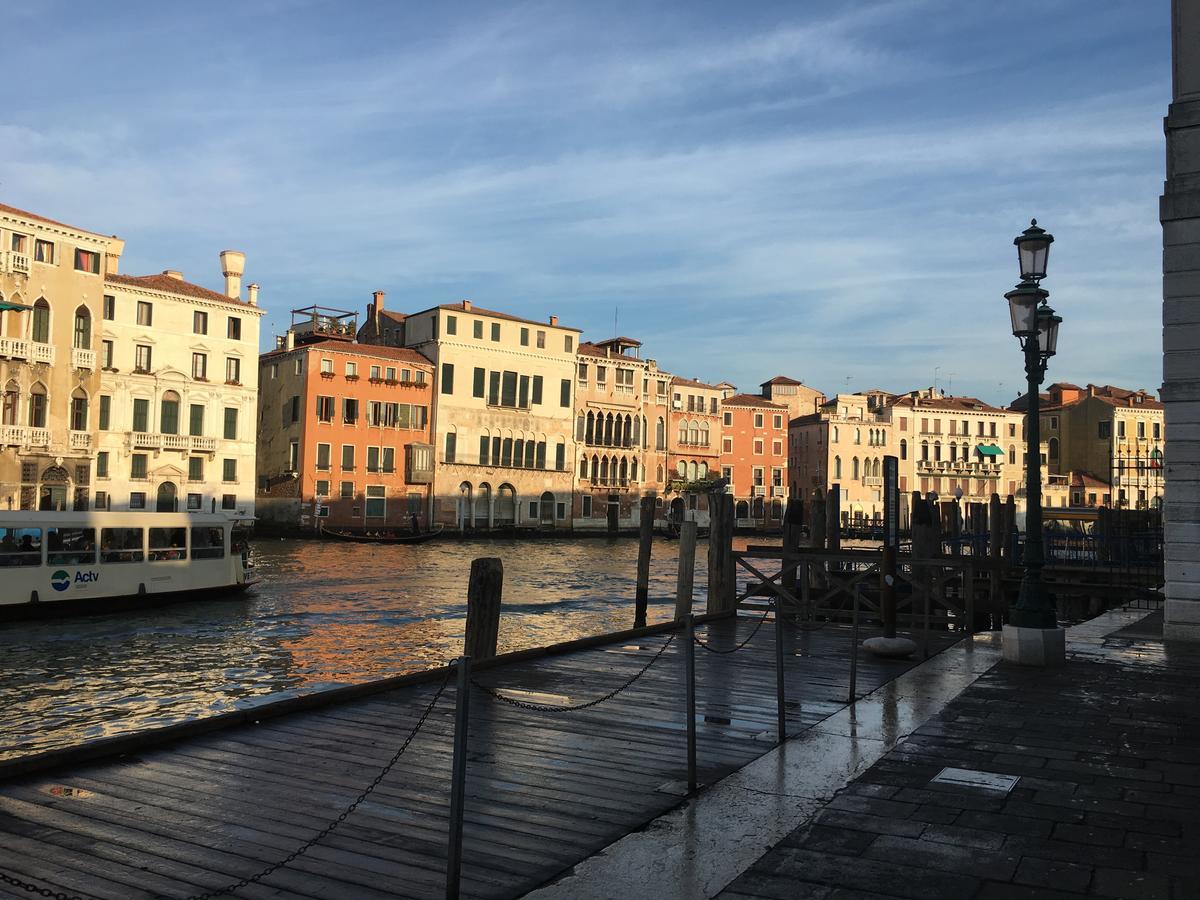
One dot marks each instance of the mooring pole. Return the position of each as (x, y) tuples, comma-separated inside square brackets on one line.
[(458, 777), (645, 542), (854, 649), (780, 698), (689, 665)]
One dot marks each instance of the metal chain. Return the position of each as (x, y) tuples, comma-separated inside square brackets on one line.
[(324, 832), (34, 889), (761, 619), (539, 707)]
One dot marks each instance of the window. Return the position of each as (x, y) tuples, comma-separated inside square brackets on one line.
[(233, 329), (601, 376), (325, 407), (451, 324), (477, 383), (207, 542), (323, 457), (349, 411), (274, 371), (376, 373), (322, 487), (451, 446), (372, 459), (777, 448), (390, 373), (110, 307), (19, 242), (137, 500), (199, 322), (137, 465), (560, 457), (102, 464), (351, 370), (495, 331), (347, 457), (376, 507), (1141, 429), (233, 370), (587, 506), (447, 378), (727, 445), (43, 252), (389, 459), (82, 336), (420, 378), (347, 488), (196, 420), (101, 499), (231, 423), (326, 366), (524, 337), (777, 421), (200, 366), (87, 261), (484, 452), (727, 419), (758, 420), (195, 468), (508, 389), (105, 411), (229, 470), (568, 344), (70, 546), (298, 365), (758, 446), (141, 359), (145, 313), (293, 456), (168, 420), (228, 501), (141, 414), (477, 329), (564, 392), (1104, 430)]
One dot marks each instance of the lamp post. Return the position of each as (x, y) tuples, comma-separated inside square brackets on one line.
[(1035, 326)]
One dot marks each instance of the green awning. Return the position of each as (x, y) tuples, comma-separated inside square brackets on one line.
[(990, 450), (6, 306)]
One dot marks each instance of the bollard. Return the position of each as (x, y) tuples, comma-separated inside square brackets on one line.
[(722, 587), (780, 699), (689, 663), (687, 569), (887, 591), (969, 592), (645, 542), (483, 607), (458, 777), (854, 648)]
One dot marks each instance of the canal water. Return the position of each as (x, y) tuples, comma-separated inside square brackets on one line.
[(323, 614)]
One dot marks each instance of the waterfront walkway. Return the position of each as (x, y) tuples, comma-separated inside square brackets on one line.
[(1106, 800), (545, 790)]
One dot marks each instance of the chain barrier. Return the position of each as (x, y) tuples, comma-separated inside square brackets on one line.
[(542, 707), (34, 889), (749, 637)]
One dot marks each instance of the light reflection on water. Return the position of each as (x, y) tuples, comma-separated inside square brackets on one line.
[(324, 614)]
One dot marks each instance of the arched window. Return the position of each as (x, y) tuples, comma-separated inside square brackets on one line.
[(79, 410), (953, 452), (608, 429), (854, 469), (903, 448), (628, 433), (703, 434), (633, 470), (636, 435), (12, 399), (834, 439), (37, 406), (694, 433), (837, 467), (875, 468), (681, 468), (683, 432), (1053, 448), (858, 435), (580, 428), (742, 511), (660, 437), (583, 467), (692, 471), (604, 469), (702, 470), (168, 421), (590, 429), (41, 322), (83, 329), (595, 467), (1012, 455), (925, 451), (624, 470), (660, 476), (937, 451)]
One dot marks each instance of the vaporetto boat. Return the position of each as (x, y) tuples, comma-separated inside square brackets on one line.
[(66, 563)]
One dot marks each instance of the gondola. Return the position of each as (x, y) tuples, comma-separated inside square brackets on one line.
[(418, 538)]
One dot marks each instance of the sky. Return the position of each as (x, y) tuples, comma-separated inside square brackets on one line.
[(823, 190)]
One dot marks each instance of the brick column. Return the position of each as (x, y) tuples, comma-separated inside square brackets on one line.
[(1180, 215)]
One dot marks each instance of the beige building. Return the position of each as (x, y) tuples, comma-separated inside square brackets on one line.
[(51, 290), (504, 416), (178, 393), (621, 403), (799, 398)]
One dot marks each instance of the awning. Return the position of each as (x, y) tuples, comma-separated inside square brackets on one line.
[(7, 305), (989, 450)]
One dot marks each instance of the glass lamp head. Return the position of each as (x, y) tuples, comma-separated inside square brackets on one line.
[(1033, 250), (1023, 303), (1048, 324)]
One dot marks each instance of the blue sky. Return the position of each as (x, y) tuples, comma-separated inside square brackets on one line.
[(828, 191)]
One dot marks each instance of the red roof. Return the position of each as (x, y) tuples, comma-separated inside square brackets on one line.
[(754, 400), (688, 382), (781, 379), (1084, 480), (374, 351), (587, 348), (28, 215), (168, 284), (951, 404), (458, 307)]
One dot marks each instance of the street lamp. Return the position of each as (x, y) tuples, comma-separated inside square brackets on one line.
[(1035, 326)]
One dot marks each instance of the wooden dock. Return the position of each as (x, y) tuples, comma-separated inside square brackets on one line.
[(544, 790)]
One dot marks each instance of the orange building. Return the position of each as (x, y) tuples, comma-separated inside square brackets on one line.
[(754, 436), (693, 446), (344, 429)]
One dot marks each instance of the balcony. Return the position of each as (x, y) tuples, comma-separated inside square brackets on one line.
[(204, 444), (777, 490), (13, 263), (14, 348), (81, 440), (38, 437), (758, 490), (145, 440), (24, 436), (44, 353), (82, 359), (176, 442), (872, 481)]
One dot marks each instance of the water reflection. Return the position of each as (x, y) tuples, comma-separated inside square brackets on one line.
[(324, 614)]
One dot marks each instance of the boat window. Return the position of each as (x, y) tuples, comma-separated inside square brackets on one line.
[(208, 543), (121, 545), (20, 546), (168, 543), (71, 546)]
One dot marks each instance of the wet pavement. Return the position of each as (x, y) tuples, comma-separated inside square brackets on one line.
[(1106, 799)]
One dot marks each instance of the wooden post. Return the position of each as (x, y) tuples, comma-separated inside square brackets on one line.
[(995, 550), (922, 530), (645, 542), (483, 607), (1010, 526), (954, 514), (816, 526), (792, 518), (833, 516), (687, 569), (721, 582), (887, 591)]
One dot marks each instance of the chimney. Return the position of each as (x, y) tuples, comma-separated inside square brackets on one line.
[(289, 340), (376, 309), (112, 256), (173, 273), (233, 264), (252, 294), (1091, 390), (554, 320), (466, 306)]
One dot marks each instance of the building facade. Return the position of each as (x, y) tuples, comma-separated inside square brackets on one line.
[(754, 458), (693, 447), (51, 295), (799, 398), (344, 430), (178, 393), (503, 421)]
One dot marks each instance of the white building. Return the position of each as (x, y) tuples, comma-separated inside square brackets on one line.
[(178, 393)]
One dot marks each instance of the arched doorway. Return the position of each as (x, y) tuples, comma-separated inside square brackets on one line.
[(742, 510), (463, 512), (546, 509), (53, 494), (483, 502), (506, 505), (677, 510), (167, 500)]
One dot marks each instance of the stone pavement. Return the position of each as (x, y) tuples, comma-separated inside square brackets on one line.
[(1106, 802)]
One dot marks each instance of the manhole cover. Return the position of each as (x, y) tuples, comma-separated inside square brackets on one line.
[(973, 779)]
